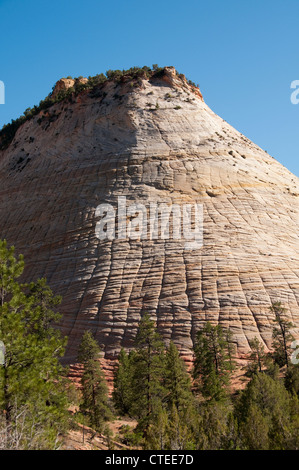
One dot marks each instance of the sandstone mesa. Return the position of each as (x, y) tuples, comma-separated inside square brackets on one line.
[(155, 141)]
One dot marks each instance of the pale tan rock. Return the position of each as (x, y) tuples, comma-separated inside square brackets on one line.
[(118, 142), (62, 85)]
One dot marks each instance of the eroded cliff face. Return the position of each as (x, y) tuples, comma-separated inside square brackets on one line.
[(158, 141)]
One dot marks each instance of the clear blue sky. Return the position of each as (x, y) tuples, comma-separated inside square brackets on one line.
[(243, 53)]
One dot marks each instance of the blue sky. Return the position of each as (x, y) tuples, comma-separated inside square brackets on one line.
[(243, 53)]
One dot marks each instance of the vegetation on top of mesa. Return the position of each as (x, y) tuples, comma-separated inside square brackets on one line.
[(9, 130)]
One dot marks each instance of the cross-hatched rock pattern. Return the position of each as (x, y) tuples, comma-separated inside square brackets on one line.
[(157, 141)]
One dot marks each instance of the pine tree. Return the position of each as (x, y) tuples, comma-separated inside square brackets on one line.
[(89, 349), (95, 400), (179, 432), (231, 349), (10, 270), (215, 427), (265, 406), (31, 380), (213, 364), (43, 308), (258, 359), (149, 371), (123, 376), (291, 379), (255, 430), (282, 337), (157, 437), (177, 381)]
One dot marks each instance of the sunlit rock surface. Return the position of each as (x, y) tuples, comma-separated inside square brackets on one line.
[(157, 141)]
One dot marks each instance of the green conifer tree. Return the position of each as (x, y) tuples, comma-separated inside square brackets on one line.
[(214, 423), (213, 364), (258, 359), (31, 378), (158, 434), (177, 381), (123, 376), (149, 372), (255, 430), (282, 337), (267, 415), (95, 400), (291, 379), (179, 431)]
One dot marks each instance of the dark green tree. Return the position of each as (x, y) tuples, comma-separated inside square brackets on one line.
[(213, 364), (217, 428), (95, 400), (231, 349), (177, 381), (89, 349), (291, 379), (123, 376), (31, 378), (149, 372), (258, 359), (170, 430), (44, 314), (255, 430), (158, 433), (267, 415), (179, 431), (282, 337)]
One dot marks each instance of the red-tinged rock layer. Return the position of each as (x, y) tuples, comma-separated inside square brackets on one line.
[(158, 141)]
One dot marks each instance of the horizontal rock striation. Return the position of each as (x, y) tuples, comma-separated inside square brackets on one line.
[(154, 140)]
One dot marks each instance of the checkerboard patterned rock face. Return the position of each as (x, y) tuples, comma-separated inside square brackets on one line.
[(158, 141)]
